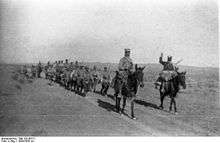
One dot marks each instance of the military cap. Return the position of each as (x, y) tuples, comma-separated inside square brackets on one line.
[(127, 50), (169, 58)]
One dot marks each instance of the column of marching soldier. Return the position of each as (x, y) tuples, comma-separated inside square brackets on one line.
[(56, 71), (127, 80)]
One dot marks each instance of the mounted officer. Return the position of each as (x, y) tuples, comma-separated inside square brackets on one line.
[(168, 72), (124, 68)]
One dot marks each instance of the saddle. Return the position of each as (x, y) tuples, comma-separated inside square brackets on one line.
[(167, 75)]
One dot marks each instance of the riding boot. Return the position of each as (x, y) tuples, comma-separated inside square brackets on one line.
[(123, 106), (119, 108), (118, 104)]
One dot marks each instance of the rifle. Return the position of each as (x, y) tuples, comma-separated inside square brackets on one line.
[(178, 62)]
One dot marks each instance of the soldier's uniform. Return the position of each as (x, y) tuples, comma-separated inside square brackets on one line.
[(167, 66), (105, 81), (71, 66), (125, 66), (86, 73), (125, 63), (66, 65), (87, 79), (80, 72), (39, 69), (167, 73), (95, 74), (33, 70), (106, 76)]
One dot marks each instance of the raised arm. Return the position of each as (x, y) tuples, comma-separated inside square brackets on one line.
[(161, 59)]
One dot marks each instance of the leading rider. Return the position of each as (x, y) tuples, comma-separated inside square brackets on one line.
[(124, 68)]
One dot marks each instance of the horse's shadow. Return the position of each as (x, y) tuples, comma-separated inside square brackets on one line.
[(146, 104), (111, 96), (108, 106)]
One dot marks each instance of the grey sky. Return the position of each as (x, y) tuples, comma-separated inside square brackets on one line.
[(99, 30)]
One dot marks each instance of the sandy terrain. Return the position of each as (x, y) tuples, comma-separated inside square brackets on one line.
[(33, 107)]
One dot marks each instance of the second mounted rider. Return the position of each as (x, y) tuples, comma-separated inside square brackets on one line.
[(169, 71)]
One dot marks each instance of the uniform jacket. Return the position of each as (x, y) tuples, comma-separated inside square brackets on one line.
[(125, 63), (166, 65)]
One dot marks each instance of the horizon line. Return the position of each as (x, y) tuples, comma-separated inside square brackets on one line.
[(113, 63)]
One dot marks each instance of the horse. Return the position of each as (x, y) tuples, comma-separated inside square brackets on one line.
[(127, 88), (171, 88)]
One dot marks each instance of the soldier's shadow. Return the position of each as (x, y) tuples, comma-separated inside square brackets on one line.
[(108, 106)]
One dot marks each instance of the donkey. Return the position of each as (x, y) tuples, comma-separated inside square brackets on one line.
[(171, 88), (128, 89)]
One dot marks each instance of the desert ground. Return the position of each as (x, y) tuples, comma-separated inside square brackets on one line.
[(32, 107)]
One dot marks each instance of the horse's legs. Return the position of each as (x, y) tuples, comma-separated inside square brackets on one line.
[(117, 104), (70, 85), (161, 100), (102, 89), (124, 103), (174, 102), (171, 103), (94, 87), (132, 109), (75, 86), (106, 89)]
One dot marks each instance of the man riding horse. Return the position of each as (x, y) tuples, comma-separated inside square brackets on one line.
[(168, 72), (127, 83), (169, 81), (124, 68)]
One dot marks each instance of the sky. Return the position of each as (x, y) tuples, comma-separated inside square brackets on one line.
[(99, 30)]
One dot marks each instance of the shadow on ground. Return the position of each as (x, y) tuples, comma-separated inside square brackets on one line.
[(146, 104), (106, 105)]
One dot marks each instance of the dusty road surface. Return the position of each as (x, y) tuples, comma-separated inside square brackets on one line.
[(35, 108)]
